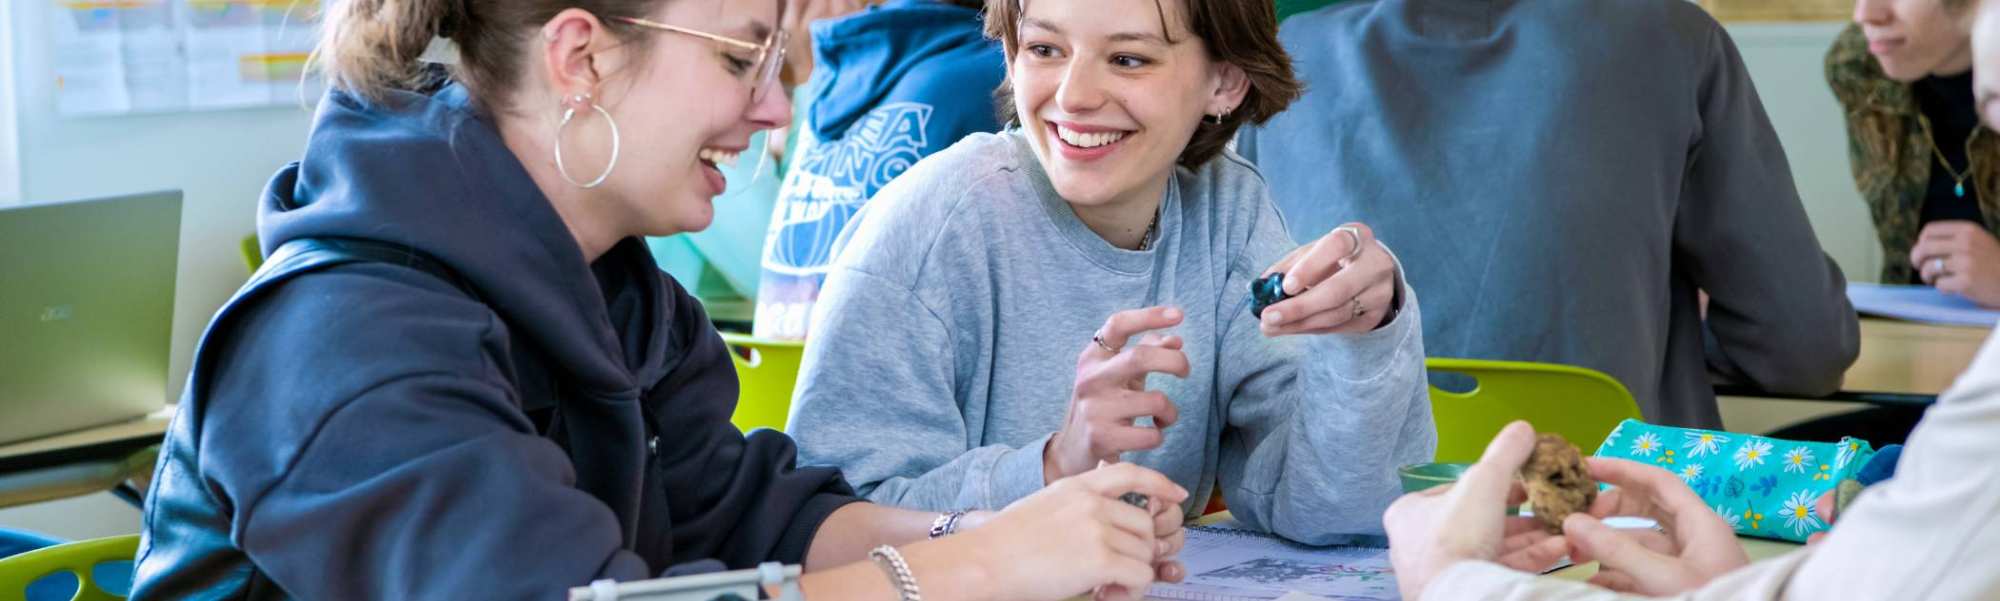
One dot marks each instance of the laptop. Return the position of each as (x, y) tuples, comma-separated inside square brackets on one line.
[(86, 311)]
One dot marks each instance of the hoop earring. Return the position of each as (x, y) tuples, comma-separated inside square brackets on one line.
[(570, 112)]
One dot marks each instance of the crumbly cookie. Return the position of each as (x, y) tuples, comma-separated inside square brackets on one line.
[(1558, 484)]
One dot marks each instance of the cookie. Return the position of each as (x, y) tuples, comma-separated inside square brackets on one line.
[(1558, 484)]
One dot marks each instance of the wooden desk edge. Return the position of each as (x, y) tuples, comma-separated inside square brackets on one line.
[(100, 442)]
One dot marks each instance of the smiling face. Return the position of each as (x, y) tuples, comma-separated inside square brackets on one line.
[(686, 108), (1913, 39), (1110, 92)]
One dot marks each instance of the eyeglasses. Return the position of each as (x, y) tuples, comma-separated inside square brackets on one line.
[(764, 70)]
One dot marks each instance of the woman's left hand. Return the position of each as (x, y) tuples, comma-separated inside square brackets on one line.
[(1959, 257), (1344, 282)]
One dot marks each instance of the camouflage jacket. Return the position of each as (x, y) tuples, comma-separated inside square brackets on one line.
[(1894, 182)]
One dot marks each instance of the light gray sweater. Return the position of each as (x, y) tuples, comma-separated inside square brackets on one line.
[(950, 325), (1560, 177)]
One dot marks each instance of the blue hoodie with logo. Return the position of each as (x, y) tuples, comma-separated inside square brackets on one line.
[(890, 85), (533, 423)]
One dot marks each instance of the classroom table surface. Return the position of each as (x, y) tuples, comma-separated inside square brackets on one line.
[(82, 462), (1900, 356), (1757, 548), (1901, 363), (90, 443)]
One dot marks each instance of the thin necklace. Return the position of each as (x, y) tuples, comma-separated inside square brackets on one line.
[(1957, 177), (1146, 239)]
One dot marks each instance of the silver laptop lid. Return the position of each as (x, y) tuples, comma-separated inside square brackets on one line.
[(86, 311)]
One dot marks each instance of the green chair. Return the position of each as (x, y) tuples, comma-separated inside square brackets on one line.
[(78, 558), (253, 254), (1287, 8), (766, 371), (1580, 404)]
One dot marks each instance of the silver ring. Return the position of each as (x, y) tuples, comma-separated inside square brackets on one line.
[(1355, 252), (1099, 340), (1937, 265), (1357, 308)]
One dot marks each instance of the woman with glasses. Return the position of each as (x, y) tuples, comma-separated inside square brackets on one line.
[(461, 375)]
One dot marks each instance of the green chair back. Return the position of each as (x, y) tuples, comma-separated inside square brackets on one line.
[(765, 379), (78, 558), (253, 255), (1287, 8), (1580, 404)]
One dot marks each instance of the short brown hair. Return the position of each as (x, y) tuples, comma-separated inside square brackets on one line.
[(1239, 32), (371, 47)]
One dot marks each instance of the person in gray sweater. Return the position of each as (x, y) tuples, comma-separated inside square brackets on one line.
[(1026, 305), (1566, 177)]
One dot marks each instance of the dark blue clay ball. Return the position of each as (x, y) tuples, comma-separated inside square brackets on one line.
[(1266, 291)]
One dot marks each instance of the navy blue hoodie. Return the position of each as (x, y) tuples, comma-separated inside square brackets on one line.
[(372, 431), (890, 86)]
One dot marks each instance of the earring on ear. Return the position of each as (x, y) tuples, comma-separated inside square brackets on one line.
[(1216, 119), (569, 111)]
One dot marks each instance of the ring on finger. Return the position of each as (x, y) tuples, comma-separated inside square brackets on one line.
[(1937, 266), (1355, 251), (1356, 307), (1098, 339)]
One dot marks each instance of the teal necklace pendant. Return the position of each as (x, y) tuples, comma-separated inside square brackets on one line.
[(1959, 190)]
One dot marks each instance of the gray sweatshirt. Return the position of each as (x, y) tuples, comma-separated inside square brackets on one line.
[(950, 326), (1560, 177)]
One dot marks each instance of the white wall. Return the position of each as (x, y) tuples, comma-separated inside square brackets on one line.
[(10, 163), (1787, 63), (220, 161)]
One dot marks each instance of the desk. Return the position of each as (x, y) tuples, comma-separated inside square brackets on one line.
[(1757, 548), (1901, 363), (81, 462)]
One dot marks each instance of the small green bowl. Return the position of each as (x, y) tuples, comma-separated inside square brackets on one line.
[(1420, 476)]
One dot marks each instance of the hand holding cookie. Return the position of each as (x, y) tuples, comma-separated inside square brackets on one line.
[(1692, 547), (1437, 527)]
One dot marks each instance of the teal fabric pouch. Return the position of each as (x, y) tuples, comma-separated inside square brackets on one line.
[(1762, 486)]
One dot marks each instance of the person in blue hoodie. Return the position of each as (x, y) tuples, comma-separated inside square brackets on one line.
[(460, 374), (889, 86)]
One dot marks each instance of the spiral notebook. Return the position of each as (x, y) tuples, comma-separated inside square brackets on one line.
[(1225, 563)]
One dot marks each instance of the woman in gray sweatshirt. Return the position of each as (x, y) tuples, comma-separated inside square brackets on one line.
[(1023, 306)]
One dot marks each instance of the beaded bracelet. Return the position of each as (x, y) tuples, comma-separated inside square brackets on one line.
[(892, 562)]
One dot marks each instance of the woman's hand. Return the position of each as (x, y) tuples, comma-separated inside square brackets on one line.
[(1432, 529), (1110, 393), (1692, 546), (1343, 282), (1075, 536), (1959, 257)]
